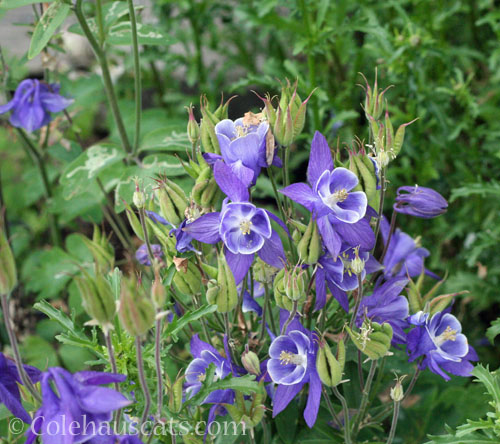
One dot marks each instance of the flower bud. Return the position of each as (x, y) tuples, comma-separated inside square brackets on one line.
[(295, 284), (397, 392), (420, 202), (8, 273), (102, 251), (251, 362), (263, 272), (175, 394), (374, 100), (309, 246), (136, 313), (188, 279), (193, 129), (373, 339), (134, 222), (223, 293), (208, 122), (280, 296), (364, 167), (97, 298), (173, 201), (138, 198), (329, 368), (158, 291)]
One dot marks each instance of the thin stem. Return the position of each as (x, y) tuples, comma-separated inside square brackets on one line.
[(264, 313), (114, 227), (358, 301), (391, 232), (380, 207), (142, 218), (290, 318), (142, 379), (100, 22), (228, 333), (413, 381), (360, 371), (345, 410), (270, 311), (114, 369), (364, 399), (278, 202), (106, 76), (15, 349), (394, 423), (137, 76), (37, 158), (159, 377), (330, 408)]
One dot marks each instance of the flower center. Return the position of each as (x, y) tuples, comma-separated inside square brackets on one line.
[(245, 226), (448, 335), (290, 358), (201, 377), (338, 196)]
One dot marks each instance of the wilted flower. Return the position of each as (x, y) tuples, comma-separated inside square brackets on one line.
[(142, 253), (420, 202), (440, 341), (78, 400), (244, 228), (32, 104), (329, 193), (386, 304), (292, 365), (9, 391)]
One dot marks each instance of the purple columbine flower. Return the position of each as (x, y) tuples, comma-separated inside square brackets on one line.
[(244, 228), (9, 390), (183, 239), (142, 253), (78, 399), (32, 104), (440, 341), (420, 202), (292, 365), (386, 304), (329, 193), (404, 256), (243, 148)]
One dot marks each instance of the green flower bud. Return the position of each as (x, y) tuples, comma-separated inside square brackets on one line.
[(279, 291), (224, 293), (193, 129), (329, 368), (251, 362), (138, 198), (295, 284), (175, 395), (373, 339), (173, 201), (102, 251), (134, 221), (136, 313), (187, 278), (309, 246), (158, 291), (374, 100), (397, 392), (263, 272), (8, 272), (97, 299)]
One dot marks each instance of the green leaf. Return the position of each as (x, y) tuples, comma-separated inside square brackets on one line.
[(178, 324), (474, 438), (493, 330), (39, 352), (168, 138), (87, 166), (482, 189), (52, 18), (121, 34), (490, 381), (61, 318), (13, 4)]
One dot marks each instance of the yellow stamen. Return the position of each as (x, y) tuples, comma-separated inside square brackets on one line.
[(290, 358), (448, 335), (245, 226)]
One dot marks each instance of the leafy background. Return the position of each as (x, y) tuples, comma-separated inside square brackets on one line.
[(443, 60)]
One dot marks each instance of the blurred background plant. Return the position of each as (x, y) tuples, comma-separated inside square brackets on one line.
[(442, 58)]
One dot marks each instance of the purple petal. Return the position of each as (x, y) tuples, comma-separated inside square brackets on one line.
[(278, 221), (206, 228), (226, 127), (272, 252), (287, 374), (313, 399), (244, 174), (54, 102), (230, 185), (331, 239), (352, 209), (342, 178), (239, 264), (357, 234), (283, 395), (320, 290), (98, 378), (320, 158), (101, 399), (12, 400), (339, 295), (302, 194), (8, 106)]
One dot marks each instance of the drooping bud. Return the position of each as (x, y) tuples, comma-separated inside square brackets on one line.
[(138, 198), (187, 278), (173, 201), (97, 298), (8, 272), (420, 202), (397, 392), (102, 251), (329, 367), (223, 292), (251, 362), (309, 247), (193, 129), (136, 313), (373, 339)]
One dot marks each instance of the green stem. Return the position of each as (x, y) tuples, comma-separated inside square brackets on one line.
[(114, 369), (394, 423), (100, 22), (142, 379), (345, 410), (38, 160), (228, 333), (358, 301), (106, 76), (391, 232), (137, 76), (290, 318), (380, 207), (264, 313), (413, 380), (142, 218), (159, 376), (15, 349), (364, 399), (330, 408)]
